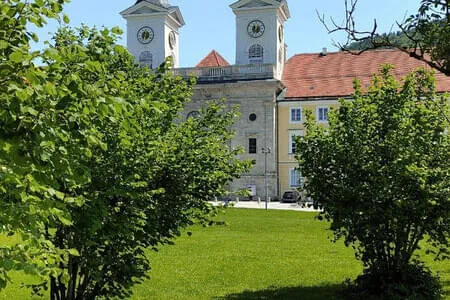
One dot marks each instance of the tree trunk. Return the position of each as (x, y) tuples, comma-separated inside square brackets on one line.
[(54, 290), (73, 272), (83, 283)]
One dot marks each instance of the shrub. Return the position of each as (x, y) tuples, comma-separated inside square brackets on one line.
[(415, 281)]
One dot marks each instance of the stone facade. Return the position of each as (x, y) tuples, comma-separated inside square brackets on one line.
[(257, 98), (253, 83)]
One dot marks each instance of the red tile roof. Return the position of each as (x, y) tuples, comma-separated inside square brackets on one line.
[(314, 75), (213, 59)]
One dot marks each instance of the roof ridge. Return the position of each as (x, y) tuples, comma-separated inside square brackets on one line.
[(345, 52), (214, 52), (213, 59)]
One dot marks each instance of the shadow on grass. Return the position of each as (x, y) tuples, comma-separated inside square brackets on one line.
[(326, 292)]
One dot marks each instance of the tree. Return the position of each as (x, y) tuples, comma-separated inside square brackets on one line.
[(96, 164), (381, 173), (31, 148), (397, 39), (428, 33)]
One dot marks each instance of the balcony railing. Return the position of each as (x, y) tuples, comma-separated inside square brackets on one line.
[(229, 73)]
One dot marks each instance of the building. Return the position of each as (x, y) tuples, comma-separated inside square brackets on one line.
[(273, 92)]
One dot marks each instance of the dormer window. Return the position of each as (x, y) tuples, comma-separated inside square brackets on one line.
[(256, 54)]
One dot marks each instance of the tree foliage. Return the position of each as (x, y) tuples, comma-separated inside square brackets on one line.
[(381, 172), (34, 151), (95, 163), (427, 33)]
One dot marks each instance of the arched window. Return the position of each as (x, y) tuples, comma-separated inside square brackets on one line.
[(193, 114), (256, 54), (146, 59)]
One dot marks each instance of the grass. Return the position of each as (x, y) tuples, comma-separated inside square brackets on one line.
[(258, 255)]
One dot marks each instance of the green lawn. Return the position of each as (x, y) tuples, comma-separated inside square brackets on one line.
[(258, 255)]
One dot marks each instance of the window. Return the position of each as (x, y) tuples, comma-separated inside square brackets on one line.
[(146, 59), (193, 114), (295, 178), (322, 114), (252, 148), (252, 117), (292, 135), (256, 54), (296, 115)]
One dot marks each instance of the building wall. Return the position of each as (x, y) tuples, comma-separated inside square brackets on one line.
[(287, 128), (159, 47), (169, 27), (268, 40), (253, 97)]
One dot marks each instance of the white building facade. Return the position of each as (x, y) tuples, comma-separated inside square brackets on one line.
[(253, 83), (153, 31)]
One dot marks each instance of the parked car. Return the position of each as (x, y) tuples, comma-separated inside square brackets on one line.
[(291, 196)]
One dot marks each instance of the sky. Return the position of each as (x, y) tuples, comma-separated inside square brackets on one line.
[(210, 24)]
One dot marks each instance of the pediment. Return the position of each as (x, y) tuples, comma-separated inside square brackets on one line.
[(143, 8), (175, 14), (254, 4), (148, 8)]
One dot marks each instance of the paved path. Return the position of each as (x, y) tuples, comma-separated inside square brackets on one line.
[(262, 205)]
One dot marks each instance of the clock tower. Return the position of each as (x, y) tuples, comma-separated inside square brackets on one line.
[(153, 31), (260, 32)]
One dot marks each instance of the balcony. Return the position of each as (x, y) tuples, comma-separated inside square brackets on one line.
[(229, 73)]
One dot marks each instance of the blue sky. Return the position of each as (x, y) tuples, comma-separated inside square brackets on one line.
[(210, 24)]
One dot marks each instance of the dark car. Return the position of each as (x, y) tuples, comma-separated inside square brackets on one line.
[(291, 196)]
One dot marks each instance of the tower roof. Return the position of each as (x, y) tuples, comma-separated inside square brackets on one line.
[(213, 59), (163, 3)]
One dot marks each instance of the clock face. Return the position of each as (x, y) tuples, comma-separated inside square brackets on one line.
[(256, 28), (145, 35), (172, 40)]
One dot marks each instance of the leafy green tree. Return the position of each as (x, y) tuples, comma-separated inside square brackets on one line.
[(381, 173), (427, 33), (34, 146), (96, 165)]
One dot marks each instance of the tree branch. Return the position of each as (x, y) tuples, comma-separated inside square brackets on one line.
[(420, 48)]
